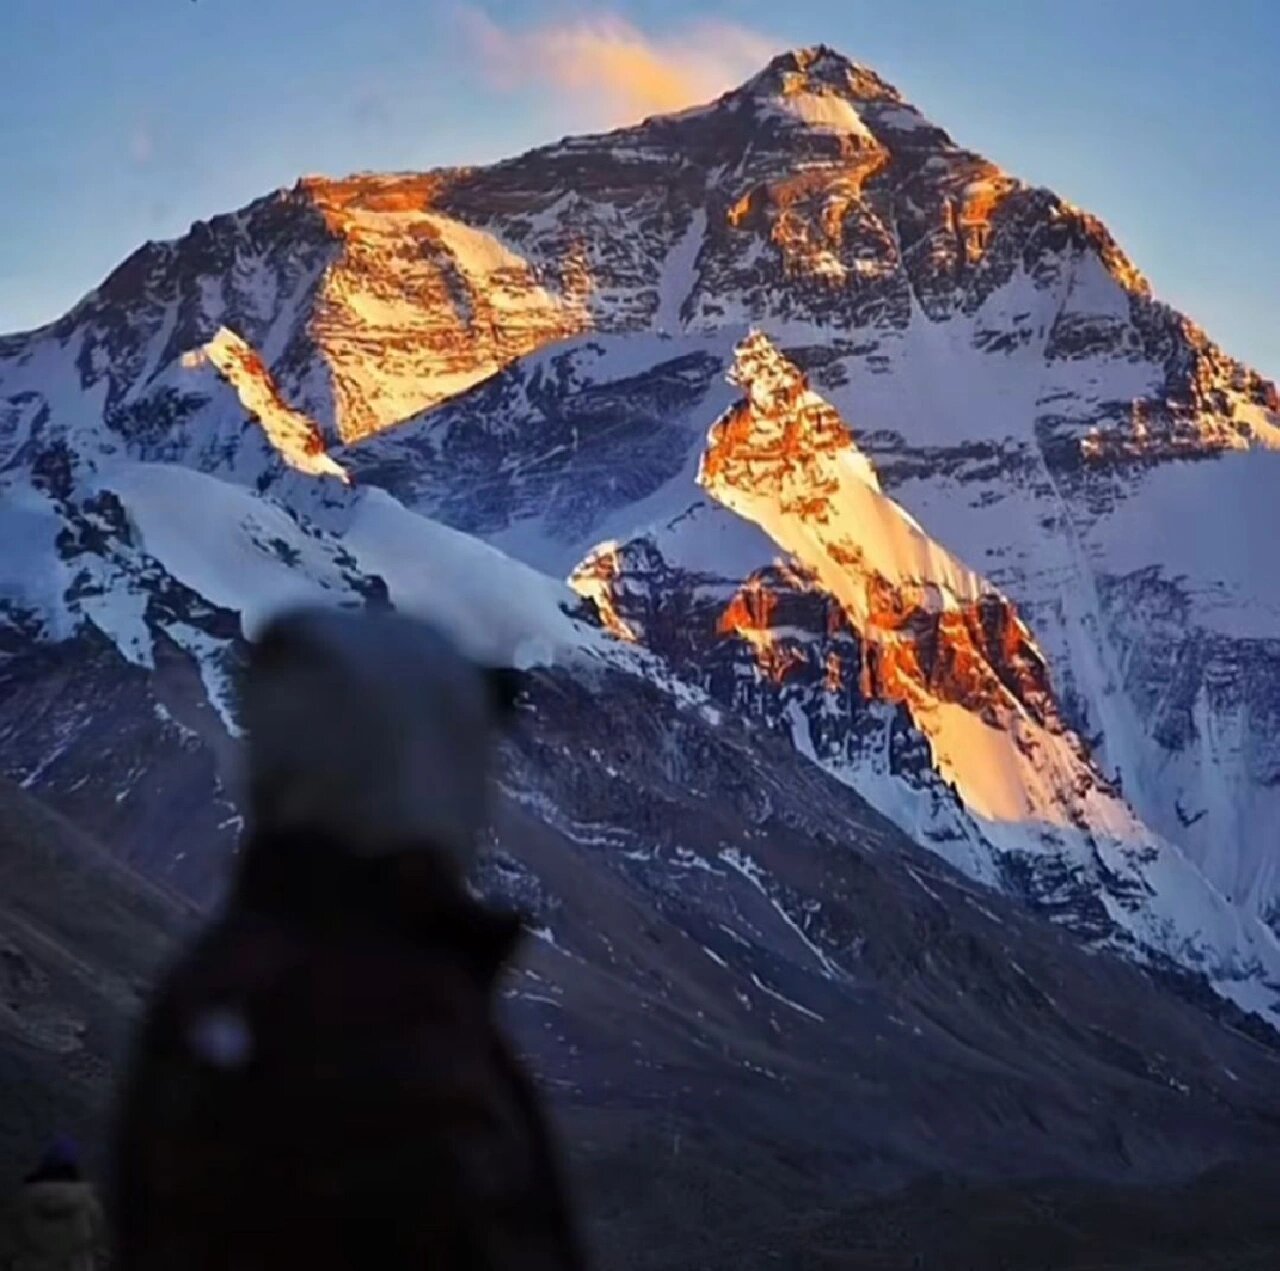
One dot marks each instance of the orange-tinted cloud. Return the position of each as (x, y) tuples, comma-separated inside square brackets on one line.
[(612, 73)]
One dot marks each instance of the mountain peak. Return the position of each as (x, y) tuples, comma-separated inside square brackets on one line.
[(817, 89), (820, 69)]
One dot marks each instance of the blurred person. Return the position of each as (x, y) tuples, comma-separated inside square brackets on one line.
[(54, 1221), (321, 1082)]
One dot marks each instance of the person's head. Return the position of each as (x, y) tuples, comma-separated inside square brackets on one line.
[(59, 1164), (372, 730)]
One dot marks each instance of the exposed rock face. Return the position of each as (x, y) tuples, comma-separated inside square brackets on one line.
[(784, 458), (700, 912)]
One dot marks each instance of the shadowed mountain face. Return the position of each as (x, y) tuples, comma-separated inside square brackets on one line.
[(720, 904), (896, 797), (81, 939), (755, 1000)]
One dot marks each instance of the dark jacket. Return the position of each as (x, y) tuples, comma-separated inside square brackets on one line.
[(321, 1084), (52, 1224)]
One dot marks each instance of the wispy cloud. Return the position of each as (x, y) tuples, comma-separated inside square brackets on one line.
[(609, 71)]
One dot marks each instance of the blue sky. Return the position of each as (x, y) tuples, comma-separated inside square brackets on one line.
[(127, 119)]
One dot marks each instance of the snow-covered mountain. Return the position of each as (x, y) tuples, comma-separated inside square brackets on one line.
[(832, 422)]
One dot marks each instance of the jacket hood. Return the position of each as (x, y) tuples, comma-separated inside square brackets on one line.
[(372, 729)]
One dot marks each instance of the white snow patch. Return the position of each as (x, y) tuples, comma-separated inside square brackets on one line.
[(492, 604), (678, 278), (824, 112), (786, 1001), (1210, 526), (901, 118), (752, 872), (241, 552)]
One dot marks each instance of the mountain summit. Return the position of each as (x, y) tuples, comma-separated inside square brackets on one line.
[(819, 69), (823, 89)]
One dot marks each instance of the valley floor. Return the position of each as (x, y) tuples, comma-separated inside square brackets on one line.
[(728, 1204)]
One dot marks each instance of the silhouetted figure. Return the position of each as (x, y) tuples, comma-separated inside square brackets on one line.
[(54, 1221), (321, 1083)]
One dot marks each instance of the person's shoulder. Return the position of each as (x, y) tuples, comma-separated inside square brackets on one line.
[(237, 958), (236, 947), (58, 1188)]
